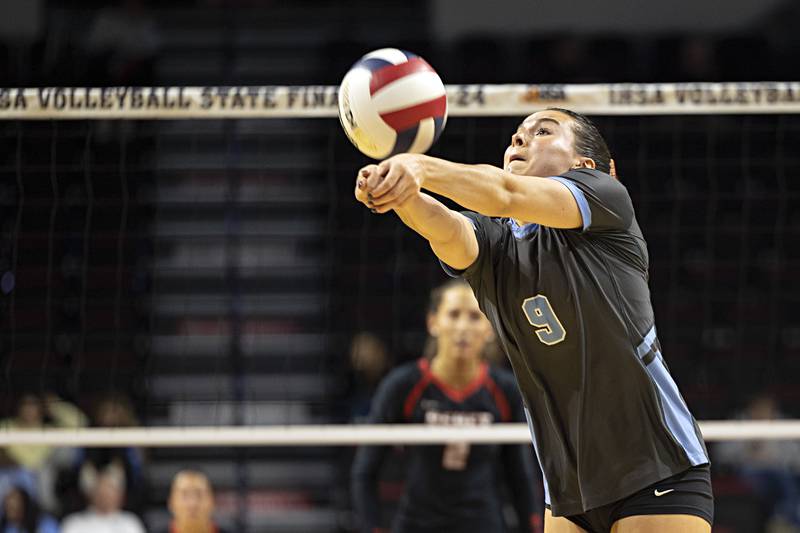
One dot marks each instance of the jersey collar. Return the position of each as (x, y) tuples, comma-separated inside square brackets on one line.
[(521, 231), (457, 395)]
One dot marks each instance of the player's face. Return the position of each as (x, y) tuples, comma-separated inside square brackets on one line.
[(543, 145), (191, 499), (460, 328)]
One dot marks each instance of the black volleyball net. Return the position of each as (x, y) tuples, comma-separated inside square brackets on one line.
[(198, 251)]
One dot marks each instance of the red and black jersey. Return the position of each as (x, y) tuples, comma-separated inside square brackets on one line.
[(452, 488)]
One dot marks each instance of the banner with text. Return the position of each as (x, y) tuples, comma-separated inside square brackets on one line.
[(463, 100)]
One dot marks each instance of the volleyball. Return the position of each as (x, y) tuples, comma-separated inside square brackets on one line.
[(391, 102)]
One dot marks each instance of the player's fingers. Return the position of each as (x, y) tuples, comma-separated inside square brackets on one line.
[(395, 177), (393, 181), (360, 190), (384, 166), (367, 170), (376, 176), (397, 202), (386, 185), (391, 176), (361, 183), (400, 187)]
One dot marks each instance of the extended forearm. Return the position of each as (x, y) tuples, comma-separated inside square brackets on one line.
[(494, 192), (481, 188), (449, 233), (428, 217)]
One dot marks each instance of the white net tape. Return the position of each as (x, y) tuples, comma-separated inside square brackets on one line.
[(346, 435), (463, 100)]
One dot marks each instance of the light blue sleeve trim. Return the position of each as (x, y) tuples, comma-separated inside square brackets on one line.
[(647, 343), (583, 204)]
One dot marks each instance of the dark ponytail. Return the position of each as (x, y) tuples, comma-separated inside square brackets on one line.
[(588, 140)]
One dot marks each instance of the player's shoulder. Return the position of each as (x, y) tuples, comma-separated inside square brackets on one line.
[(593, 178), (404, 376), (588, 174)]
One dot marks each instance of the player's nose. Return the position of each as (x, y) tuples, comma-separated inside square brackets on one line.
[(462, 325), (518, 139)]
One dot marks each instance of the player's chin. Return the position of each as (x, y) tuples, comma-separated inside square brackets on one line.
[(467, 352), (519, 167)]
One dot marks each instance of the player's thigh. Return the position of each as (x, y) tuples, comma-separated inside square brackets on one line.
[(559, 524), (661, 523)]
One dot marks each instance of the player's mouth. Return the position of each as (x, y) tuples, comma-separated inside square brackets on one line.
[(515, 157)]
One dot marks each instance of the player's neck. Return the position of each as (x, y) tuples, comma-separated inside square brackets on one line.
[(456, 372), (192, 527)]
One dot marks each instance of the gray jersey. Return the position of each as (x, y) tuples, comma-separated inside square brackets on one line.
[(572, 310)]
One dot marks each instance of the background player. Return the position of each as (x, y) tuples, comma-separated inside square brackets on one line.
[(558, 262), (191, 503), (450, 488)]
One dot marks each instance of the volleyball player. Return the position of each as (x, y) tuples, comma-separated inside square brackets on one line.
[(451, 488), (553, 251)]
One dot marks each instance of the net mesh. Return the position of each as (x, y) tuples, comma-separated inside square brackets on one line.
[(226, 262)]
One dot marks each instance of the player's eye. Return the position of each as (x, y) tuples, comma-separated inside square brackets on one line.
[(543, 131)]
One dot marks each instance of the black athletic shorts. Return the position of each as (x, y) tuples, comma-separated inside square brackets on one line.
[(686, 493)]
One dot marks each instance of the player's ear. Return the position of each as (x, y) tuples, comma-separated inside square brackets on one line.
[(584, 162), (433, 326)]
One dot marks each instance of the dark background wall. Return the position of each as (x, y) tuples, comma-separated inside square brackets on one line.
[(224, 263)]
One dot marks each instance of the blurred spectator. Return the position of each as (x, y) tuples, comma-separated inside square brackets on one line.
[(21, 514), (770, 467), (34, 412), (122, 43), (105, 514), (77, 483), (42, 462), (369, 361), (191, 502)]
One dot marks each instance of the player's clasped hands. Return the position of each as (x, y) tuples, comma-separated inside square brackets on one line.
[(390, 183)]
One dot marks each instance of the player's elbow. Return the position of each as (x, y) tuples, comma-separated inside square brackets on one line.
[(458, 253), (458, 249)]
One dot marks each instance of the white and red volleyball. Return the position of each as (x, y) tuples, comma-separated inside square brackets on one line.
[(390, 102)]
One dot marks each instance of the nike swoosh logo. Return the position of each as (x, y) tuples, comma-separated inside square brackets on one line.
[(661, 493)]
